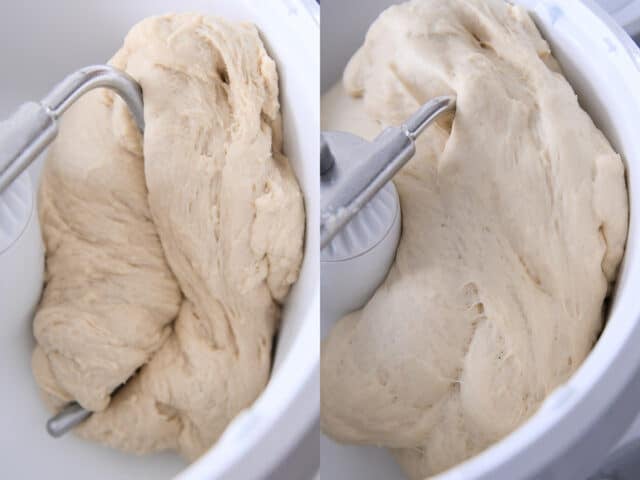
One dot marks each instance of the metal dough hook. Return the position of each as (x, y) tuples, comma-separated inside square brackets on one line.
[(348, 184), (26, 134), (360, 218)]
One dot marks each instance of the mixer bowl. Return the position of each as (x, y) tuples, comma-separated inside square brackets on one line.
[(581, 421), (40, 43)]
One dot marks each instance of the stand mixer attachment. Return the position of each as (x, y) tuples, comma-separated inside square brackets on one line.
[(26, 134), (360, 209)]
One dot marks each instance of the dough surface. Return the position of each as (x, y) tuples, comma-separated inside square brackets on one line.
[(167, 270), (514, 221)]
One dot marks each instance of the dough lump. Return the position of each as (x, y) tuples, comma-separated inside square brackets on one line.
[(166, 270), (514, 220)]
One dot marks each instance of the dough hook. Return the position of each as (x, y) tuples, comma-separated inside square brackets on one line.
[(360, 209), (346, 186), (26, 134)]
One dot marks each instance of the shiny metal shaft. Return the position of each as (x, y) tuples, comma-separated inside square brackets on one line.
[(68, 418), (345, 192)]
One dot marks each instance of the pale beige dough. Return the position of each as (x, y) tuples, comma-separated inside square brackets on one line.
[(173, 264), (514, 221)]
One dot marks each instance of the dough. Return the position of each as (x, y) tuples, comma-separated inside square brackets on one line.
[(514, 223), (166, 271)]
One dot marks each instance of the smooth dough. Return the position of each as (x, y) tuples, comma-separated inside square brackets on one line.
[(514, 223), (166, 271)]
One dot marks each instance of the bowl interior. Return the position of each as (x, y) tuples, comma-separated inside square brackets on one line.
[(599, 63), (68, 35)]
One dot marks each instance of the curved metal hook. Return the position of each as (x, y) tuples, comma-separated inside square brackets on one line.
[(26, 134)]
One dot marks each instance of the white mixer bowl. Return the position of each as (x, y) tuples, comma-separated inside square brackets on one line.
[(40, 43), (581, 421)]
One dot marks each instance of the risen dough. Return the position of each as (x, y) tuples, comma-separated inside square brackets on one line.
[(514, 223), (204, 231)]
